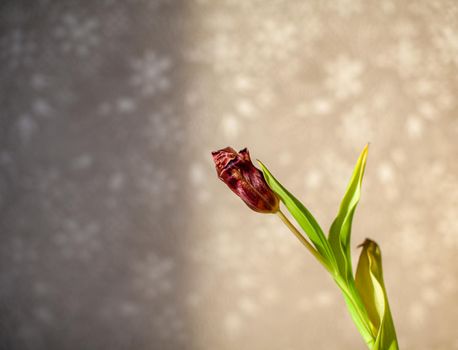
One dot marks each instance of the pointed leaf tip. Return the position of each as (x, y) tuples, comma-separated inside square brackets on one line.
[(340, 232)]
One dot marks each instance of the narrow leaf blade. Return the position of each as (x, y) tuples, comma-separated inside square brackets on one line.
[(303, 217), (340, 232)]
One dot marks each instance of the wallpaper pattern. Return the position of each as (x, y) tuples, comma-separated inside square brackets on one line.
[(115, 232)]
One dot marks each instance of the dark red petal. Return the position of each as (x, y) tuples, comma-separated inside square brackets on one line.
[(245, 155), (222, 158), (244, 179)]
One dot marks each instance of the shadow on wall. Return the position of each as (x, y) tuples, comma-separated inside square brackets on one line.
[(92, 134)]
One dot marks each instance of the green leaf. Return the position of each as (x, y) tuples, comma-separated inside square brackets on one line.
[(370, 285), (303, 217), (340, 232)]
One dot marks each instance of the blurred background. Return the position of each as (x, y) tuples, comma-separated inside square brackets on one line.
[(116, 233)]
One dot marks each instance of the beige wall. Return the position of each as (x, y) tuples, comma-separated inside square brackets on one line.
[(116, 233)]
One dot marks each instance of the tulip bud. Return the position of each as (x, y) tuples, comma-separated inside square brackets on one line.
[(238, 172)]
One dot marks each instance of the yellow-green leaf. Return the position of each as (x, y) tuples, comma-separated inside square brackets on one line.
[(370, 285), (340, 232), (303, 217)]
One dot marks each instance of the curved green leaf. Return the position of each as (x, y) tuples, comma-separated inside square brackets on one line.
[(340, 232), (370, 285), (303, 217)]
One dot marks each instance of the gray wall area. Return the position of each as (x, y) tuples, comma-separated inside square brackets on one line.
[(115, 232)]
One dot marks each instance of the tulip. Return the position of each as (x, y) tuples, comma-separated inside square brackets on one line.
[(238, 172), (364, 292)]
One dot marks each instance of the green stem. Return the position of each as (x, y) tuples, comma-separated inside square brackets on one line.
[(359, 315), (303, 240), (351, 296)]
